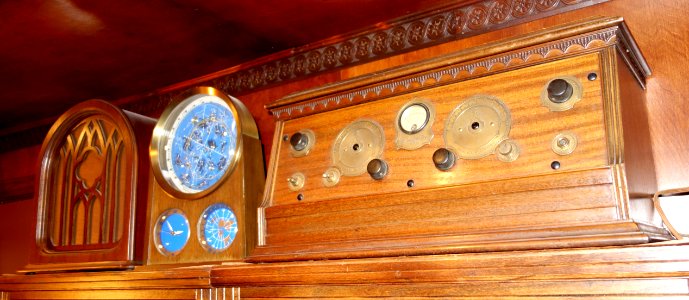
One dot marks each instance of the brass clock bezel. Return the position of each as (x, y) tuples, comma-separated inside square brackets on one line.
[(203, 221), (157, 230), (163, 129)]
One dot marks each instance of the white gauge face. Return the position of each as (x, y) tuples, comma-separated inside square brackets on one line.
[(414, 118), (201, 144)]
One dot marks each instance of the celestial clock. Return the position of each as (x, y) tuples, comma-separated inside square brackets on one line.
[(207, 160), (217, 228), (196, 145), (171, 232)]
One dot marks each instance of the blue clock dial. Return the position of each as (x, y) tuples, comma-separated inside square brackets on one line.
[(172, 232), (202, 144), (217, 228)]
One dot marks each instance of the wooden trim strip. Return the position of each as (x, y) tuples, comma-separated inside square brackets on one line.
[(475, 62)]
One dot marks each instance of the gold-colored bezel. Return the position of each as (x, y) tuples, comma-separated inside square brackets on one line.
[(157, 230), (203, 222), (163, 128)]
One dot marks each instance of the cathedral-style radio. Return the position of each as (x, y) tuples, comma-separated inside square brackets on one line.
[(92, 190)]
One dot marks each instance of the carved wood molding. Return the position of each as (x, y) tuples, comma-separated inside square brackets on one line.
[(438, 25), (443, 76), (453, 22)]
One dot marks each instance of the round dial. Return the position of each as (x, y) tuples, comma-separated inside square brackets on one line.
[(196, 144), (171, 232), (217, 228), (414, 118), (356, 145), (476, 126)]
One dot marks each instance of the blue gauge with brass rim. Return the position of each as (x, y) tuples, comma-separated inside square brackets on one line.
[(171, 232), (217, 228)]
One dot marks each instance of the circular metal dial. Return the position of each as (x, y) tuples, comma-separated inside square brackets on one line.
[(171, 232), (356, 145), (217, 228), (414, 118), (196, 145), (476, 126)]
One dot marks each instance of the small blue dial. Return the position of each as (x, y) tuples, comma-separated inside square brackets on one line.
[(202, 144), (217, 227), (172, 232)]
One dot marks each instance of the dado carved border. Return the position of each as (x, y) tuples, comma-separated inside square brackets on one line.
[(401, 36), (452, 22), (310, 102)]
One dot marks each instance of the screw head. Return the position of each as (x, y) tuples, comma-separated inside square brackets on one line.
[(592, 76), (555, 165)]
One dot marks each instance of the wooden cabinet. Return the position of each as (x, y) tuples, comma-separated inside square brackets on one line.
[(626, 262), (650, 271)]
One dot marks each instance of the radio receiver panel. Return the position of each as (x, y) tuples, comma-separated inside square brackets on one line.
[(533, 142)]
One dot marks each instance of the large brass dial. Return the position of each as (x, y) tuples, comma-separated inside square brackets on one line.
[(356, 145), (476, 126)]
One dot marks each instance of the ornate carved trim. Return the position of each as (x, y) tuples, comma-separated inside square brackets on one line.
[(454, 73), (440, 25), (453, 22)]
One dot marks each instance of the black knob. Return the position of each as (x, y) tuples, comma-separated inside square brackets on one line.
[(443, 159), (299, 141), (377, 168), (559, 91)]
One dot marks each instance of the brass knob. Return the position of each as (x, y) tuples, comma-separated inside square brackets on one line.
[(299, 141), (443, 159), (377, 168), (559, 91)]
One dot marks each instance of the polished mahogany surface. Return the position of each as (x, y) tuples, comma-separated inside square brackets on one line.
[(652, 271), (59, 53)]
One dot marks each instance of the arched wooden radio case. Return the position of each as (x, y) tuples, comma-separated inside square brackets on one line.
[(92, 190)]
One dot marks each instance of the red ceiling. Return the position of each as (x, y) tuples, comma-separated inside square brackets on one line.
[(59, 52)]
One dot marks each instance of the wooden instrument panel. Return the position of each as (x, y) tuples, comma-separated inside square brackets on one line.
[(515, 145)]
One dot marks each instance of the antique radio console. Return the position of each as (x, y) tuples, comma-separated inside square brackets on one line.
[(533, 142), (92, 190)]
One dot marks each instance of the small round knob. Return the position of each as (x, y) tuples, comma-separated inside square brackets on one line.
[(559, 91), (377, 168), (299, 141), (443, 159)]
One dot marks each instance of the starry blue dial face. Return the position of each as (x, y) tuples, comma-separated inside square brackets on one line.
[(202, 144), (172, 232), (217, 228)]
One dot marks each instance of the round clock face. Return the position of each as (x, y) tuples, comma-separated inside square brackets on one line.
[(197, 145), (171, 232), (217, 228)]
